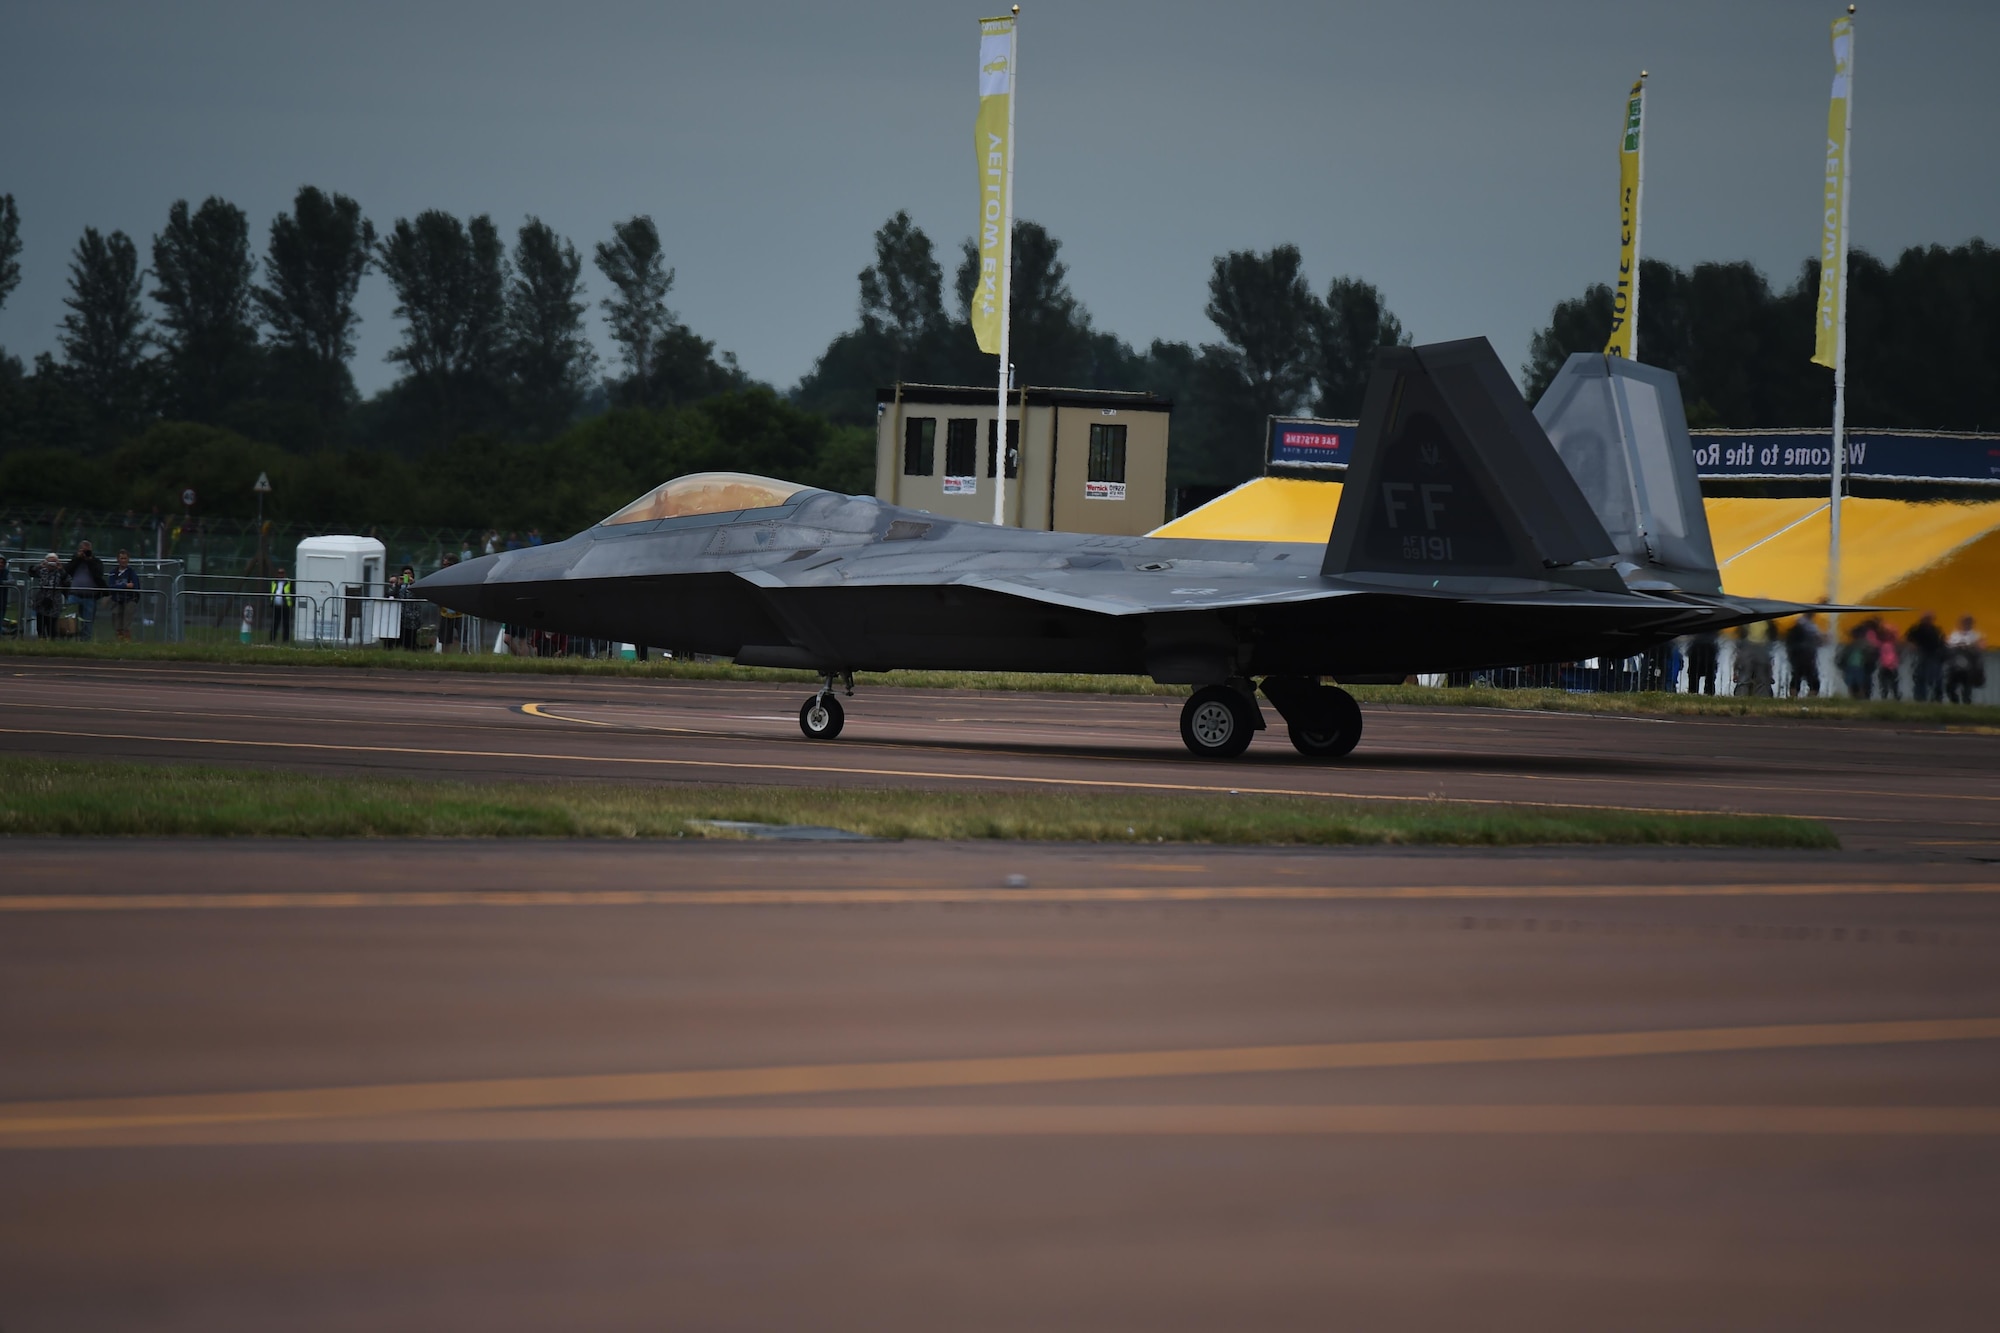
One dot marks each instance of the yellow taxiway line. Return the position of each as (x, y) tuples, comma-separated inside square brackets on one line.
[(21, 1121), (875, 897), (840, 771), (1016, 1121), (535, 710)]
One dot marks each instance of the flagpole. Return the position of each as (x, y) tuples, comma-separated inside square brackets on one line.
[(1006, 273), (1840, 346), (1638, 213)]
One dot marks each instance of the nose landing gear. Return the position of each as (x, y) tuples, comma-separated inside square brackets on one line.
[(821, 717)]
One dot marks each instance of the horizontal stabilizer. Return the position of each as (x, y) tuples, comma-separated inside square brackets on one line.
[(1452, 476)]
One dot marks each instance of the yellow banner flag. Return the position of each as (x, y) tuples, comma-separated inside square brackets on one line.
[(1624, 339), (994, 133), (1833, 224)]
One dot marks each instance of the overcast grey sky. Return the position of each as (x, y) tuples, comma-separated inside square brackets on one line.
[(1459, 155)]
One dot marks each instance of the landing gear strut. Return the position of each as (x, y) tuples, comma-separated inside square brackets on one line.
[(821, 717)]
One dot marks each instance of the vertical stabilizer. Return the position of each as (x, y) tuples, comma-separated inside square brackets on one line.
[(1452, 476), (1619, 428)]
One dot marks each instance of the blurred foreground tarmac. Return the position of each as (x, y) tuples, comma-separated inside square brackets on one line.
[(731, 1085)]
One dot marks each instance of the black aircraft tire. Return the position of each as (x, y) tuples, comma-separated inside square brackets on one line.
[(1335, 729), (1216, 723), (821, 717)]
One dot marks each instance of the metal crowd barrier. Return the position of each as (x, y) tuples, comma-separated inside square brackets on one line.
[(83, 614), (173, 607), (145, 616)]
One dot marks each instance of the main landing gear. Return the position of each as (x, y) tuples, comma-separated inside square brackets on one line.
[(1217, 722), (1323, 721), (821, 717)]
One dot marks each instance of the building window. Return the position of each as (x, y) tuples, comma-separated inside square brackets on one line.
[(919, 446), (961, 447), (1107, 453), (1013, 448)]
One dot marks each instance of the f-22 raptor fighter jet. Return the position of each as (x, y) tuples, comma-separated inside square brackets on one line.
[(1470, 533)]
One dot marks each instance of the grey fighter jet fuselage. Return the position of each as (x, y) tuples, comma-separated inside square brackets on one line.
[(1462, 541)]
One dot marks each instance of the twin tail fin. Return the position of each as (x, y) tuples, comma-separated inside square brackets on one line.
[(1453, 476)]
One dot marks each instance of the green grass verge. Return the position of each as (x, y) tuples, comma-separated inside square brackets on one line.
[(62, 798), (1558, 701)]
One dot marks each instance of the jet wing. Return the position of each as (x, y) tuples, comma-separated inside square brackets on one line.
[(1185, 586), (1123, 595), (1132, 581)]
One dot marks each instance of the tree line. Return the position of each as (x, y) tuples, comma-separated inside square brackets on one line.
[(493, 336), (493, 347), (210, 358), (561, 485), (1923, 340), (1283, 348)]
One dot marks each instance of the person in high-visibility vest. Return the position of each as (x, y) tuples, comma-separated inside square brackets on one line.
[(404, 587), (281, 608)]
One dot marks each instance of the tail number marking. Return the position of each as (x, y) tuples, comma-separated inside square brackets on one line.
[(1429, 497)]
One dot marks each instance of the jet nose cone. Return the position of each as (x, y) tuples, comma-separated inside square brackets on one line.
[(457, 587)]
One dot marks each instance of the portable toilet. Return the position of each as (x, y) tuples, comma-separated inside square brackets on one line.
[(334, 577)]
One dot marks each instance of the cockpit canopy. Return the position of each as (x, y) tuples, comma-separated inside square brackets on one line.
[(706, 493)]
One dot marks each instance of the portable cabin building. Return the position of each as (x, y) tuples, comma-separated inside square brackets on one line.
[(338, 582), (1077, 460)]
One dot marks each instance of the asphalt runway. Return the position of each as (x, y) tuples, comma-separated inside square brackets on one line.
[(743, 1085)]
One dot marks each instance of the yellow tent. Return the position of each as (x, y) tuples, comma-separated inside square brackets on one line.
[(1942, 557)]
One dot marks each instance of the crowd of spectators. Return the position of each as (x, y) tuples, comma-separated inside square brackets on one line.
[(1943, 667), (1872, 659), (65, 597), (493, 543)]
